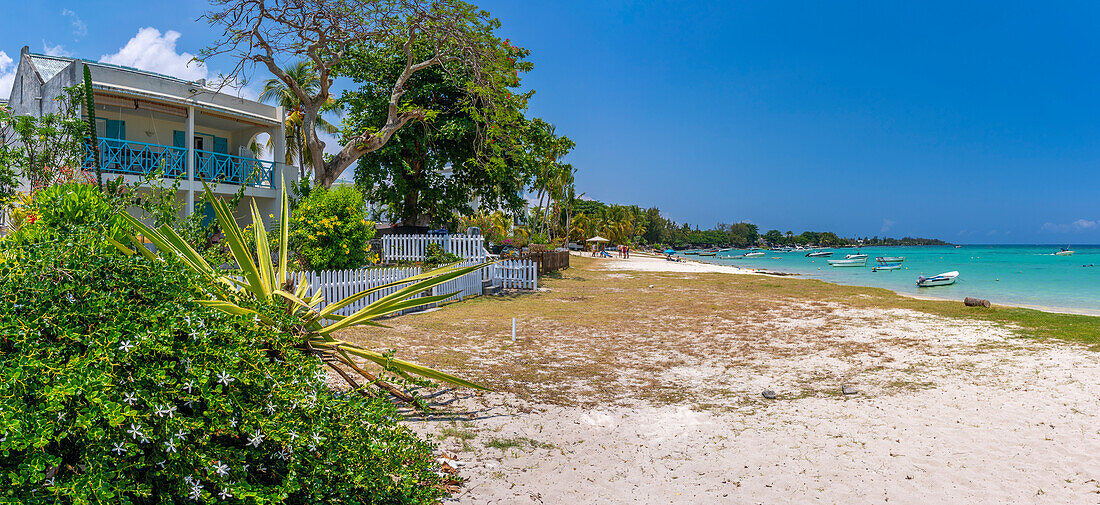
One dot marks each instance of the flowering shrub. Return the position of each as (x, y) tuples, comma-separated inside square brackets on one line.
[(116, 388), (60, 208), (329, 231)]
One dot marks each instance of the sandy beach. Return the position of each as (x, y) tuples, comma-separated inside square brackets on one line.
[(639, 381)]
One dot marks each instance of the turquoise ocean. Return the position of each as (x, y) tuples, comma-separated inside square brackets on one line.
[(1026, 275)]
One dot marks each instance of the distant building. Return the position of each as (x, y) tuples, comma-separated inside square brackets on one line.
[(149, 123)]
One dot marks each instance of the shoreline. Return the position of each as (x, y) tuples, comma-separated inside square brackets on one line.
[(755, 271)]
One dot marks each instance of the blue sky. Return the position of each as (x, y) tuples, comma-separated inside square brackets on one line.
[(973, 123)]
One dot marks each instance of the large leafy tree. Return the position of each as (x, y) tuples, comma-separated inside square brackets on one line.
[(327, 32), (469, 146)]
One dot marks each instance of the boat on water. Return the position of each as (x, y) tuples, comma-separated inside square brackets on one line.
[(755, 254), (886, 266), (890, 259), (855, 256), (849, 262), (819, 254), (1065, 251), (708, 254), (937, 280)]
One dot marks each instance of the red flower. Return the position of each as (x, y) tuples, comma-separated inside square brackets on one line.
[(31, 218)]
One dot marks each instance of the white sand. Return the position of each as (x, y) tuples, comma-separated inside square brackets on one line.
[(639, 262), (948, 412)]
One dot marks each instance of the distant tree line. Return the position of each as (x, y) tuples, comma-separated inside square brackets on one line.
[(633, 224)]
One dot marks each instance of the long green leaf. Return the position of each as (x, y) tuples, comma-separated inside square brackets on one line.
[(372, 312), (237, 247), (284, 230), (263, 251), (236, 310), (409, 367)]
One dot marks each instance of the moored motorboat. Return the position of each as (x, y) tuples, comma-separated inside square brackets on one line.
[(855, 256), (848, 262), (890, 259), (886, 266), (819, 254), (755, 254), (708, 254), (937, 280)]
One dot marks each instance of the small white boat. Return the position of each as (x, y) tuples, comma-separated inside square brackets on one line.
[(937, 280), (886, 266), (819, 254), (1064, 252), (890, 259), (855, 256), (853, 262), (755, 254)]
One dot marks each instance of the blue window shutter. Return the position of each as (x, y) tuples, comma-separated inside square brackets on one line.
[(177, 139), (221, 145), (116, 129)]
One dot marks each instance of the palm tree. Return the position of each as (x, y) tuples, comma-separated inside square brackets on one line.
[(277, 92)]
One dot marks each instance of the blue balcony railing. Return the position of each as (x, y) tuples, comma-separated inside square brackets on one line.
[(140, 158)]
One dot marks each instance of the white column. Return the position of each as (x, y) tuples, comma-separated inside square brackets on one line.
[(280, 149), (190, 143)]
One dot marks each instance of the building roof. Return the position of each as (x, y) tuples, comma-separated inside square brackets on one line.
[(48, 66)]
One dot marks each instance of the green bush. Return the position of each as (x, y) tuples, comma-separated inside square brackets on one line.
[(329, 230), (435, 256), (62, 208), (117, 388)]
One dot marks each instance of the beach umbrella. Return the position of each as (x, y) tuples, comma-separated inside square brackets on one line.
[(670, 251), (597, 238)]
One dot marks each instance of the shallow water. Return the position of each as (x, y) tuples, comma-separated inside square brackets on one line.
[(1007, 274)]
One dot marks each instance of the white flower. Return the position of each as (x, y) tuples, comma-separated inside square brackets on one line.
[(189, 385), (245, 467), (135, 431), (4, 437), (189, 480), (233, 423), (270, 409), (69, 296), (125, 346), (220, 468), (129, 398), (119, 448), (224, 378), (256, 439), (224, 493), (48, 482), (170, 446), (161, 463), (293, 435), (60, 416), (196, 491), (182, 435), (165, 410), (283, 454)]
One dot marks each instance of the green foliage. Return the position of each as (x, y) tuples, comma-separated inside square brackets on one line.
[(435, 256), (474, 127), (264, 289), (61, 209), (117, 388), (329, 230), (44, 150), (93, 138)]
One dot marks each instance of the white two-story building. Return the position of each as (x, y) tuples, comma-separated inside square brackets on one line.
[(149, 123)]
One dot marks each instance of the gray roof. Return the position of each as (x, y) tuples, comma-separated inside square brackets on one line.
[(49, 66)]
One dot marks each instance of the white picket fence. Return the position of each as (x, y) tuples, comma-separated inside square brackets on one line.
[(515, 274), (336, 285), (415, 247)]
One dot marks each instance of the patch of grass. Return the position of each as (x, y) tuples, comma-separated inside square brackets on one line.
[(453, 432), (517, 442)]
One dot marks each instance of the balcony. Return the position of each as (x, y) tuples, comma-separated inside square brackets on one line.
[(139, 158)]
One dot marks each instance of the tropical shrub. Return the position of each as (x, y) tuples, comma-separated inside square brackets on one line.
[(117, 388), (266, 290), (330, 231), (62, 208), (434, 255)]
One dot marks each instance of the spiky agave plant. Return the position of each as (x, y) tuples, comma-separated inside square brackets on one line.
[(93, 139), (263, 283)]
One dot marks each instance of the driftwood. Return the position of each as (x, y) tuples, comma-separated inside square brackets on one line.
[(976, 302)]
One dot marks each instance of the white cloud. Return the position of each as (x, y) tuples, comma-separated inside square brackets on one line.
[(79, 28), (155, 52), (7, 75), (1076, 226), (886, 225), (57, 50)]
